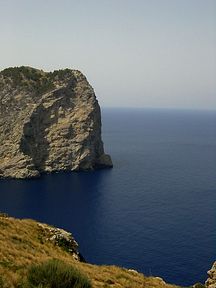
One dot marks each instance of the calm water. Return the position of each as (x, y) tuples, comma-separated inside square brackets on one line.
[(155, 211)]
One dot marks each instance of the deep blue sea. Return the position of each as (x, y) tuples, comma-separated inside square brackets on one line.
[(155, 211)]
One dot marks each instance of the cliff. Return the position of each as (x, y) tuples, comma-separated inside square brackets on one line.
[(24, 243), (211, 281), (48, 122)]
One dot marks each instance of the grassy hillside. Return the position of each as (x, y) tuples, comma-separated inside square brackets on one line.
[(23, 243)]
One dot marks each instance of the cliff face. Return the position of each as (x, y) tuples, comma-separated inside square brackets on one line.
[(211, 281), (48, 122)]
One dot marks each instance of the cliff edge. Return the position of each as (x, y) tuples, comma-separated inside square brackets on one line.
[(211, 281), (24, 243), (49, 121)]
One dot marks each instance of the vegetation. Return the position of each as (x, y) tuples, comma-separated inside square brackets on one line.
[(22, 244), (17, 73), (60, 74), (55, 274), (198, 285), (1, 282), (34, 81), (27, 78), (31, 79)]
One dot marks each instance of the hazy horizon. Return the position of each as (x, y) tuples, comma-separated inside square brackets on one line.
[(146, 54)]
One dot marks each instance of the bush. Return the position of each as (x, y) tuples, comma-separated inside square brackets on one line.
[(198, 285), (55, 274), (1, 282)]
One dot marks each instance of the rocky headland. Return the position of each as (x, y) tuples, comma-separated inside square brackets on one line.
[(49, 121)]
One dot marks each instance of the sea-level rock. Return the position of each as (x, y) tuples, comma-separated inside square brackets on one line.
[(211, 281), (48, 122)]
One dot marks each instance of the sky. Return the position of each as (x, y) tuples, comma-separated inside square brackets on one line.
[(135, 53)]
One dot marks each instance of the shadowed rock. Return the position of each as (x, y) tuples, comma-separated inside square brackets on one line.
[(48, 122)]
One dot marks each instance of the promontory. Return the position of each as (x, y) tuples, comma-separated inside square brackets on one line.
[(49, 121)]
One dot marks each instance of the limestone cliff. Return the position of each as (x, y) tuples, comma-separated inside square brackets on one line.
[(211, 281), (48, 122)]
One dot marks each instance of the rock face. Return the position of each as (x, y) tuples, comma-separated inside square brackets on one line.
[(48, 122), (62, 239), (211, 281)]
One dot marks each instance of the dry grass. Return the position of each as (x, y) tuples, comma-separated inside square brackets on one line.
[(22, 244)]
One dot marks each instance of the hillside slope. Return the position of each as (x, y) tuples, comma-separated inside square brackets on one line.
[(26, 242)]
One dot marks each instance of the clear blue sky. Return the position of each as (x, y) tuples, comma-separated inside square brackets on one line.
[(135, 53)]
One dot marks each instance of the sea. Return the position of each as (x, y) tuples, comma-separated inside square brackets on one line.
[(154, 212)]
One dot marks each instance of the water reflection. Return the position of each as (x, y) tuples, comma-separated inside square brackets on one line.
[(54, 196)]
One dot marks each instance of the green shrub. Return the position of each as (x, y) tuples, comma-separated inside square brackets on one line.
[(55, 274), (1, 282), (198, 285)]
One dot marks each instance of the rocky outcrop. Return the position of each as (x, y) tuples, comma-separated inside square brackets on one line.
[(60, 238), (211, 281), (48, 122)]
